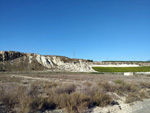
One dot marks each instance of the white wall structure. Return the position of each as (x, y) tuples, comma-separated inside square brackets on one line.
[(121, 65), (143, 73), (128, 73)]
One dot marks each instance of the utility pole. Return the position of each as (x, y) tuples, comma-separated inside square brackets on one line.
[(74, 54)]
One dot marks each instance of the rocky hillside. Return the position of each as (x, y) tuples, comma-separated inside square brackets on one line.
[(17, 61)]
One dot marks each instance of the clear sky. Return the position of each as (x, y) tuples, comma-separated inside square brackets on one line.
[(94, 29)]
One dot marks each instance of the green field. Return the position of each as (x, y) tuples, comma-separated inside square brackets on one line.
[(122, 69)]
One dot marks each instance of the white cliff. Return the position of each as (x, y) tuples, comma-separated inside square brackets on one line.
[(56, 62)]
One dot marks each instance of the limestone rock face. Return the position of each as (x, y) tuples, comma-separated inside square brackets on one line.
[(81, 66), (16, 61), (64, 63)]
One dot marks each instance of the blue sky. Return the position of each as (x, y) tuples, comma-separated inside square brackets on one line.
[(94, 29)]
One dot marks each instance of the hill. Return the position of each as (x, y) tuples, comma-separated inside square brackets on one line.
[(17, 61)]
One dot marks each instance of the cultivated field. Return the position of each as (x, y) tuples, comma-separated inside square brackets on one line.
[(122, 69), (69, 92)]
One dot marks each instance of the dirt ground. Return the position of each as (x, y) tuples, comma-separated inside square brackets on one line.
[(65, 77)]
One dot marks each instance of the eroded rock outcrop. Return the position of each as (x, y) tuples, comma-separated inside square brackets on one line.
[(10, 55), (16, 61)]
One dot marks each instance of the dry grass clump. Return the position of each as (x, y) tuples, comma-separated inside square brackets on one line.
[(137, 95), (77, 102), (132, 91), (107, 87), (1, 89), (119, 86), (119, 81), (47, 85), (143, 94), (74, 103), (65, 89), (16, 98), (22, 100), (145, 84), (101, 99), (133, 96)]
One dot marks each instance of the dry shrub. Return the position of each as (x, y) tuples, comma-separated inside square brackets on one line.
[(91, 91), (88, 84), (123, 88), (132, 97), (118, 88), (77, 102), (65, 88), (33, 89), (101, 99), (19, 99), (143, 94), (119, 81), (145, 84), (1, 90), (24, 101), (61, 100), (88, 89), (74, 103), (9, 99), (131, 87), (137, 96), (48, 85), (121, 93), (8, 96), (35, 101), (42, 104), (107, 87)]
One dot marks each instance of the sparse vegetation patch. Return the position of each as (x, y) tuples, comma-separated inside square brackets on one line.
[(71, 97)]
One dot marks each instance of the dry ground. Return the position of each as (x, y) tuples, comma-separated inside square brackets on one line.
[(70, 92)]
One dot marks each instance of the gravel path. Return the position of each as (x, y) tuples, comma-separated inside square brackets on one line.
[(142, 107)]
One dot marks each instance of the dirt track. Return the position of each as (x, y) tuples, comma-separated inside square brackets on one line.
[(142, 107)]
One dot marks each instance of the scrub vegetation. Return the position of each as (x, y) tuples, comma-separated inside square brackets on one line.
[(122, 69), (26, 95)]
